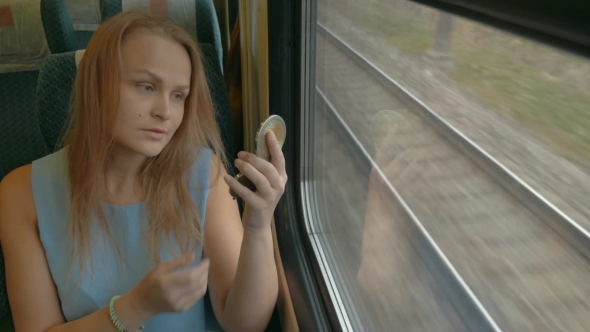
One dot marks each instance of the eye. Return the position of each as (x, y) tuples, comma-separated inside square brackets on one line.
[(178, 96), (146, 88)]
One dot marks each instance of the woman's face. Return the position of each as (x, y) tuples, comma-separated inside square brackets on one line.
[(155, 83)]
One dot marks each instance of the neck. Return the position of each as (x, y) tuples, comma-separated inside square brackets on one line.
[(122, 180)]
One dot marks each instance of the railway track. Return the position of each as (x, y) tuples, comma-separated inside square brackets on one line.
[(454, 219), (415, 292)]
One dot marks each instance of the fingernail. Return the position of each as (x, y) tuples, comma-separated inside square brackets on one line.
[(238, 161), (227, 178), (241, 153), (272, 135)]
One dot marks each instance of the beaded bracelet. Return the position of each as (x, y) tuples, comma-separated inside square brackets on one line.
[(114, 318)]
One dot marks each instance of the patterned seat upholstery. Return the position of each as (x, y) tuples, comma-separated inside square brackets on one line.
[(26, 38), (56, 82), (84, 11), (58, 25), (85, 16), (203, 25)]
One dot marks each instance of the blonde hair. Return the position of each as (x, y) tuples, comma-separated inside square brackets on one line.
[(90, 139)]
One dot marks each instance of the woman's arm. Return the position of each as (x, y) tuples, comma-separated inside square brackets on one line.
[(33, 296), (243, 277)]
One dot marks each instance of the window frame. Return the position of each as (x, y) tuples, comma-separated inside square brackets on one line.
[(288, 74), (560, 23)]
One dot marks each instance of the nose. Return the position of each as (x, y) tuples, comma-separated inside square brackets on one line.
[(161, 108)]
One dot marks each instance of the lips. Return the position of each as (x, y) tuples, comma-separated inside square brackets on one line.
[(155, 133)]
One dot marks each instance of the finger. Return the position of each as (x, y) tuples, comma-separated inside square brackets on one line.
[(246, 194), (266, 168), (201, 276), (204, 264), (259, 180), (189, 277), (191, 293), (277, 158), (194, 292), (190, 298), (177, 263)]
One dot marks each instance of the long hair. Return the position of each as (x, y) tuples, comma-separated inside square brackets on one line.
[(90, 140)]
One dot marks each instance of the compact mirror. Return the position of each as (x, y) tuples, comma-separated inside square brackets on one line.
[(275, 124)]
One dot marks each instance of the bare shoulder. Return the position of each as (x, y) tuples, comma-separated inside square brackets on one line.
[(217, 172), (16, 195), (216, 165), (32, 294), (19, 177)]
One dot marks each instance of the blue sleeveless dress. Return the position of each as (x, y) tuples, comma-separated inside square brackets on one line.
[(128, 224)]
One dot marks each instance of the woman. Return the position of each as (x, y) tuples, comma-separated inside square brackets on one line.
[(137, 196)]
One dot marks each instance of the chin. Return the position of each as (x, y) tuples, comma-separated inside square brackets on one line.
[(145, 148), (152, 151), (149, 150)]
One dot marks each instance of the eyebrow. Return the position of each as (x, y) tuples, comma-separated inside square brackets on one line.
[(157, 78)]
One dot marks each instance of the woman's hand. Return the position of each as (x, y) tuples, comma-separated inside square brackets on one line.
[(172, 286), (270, 179)]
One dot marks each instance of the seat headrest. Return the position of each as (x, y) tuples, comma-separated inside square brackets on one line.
[(180, 11), (84, 13), (54, 92), (58, 25), (22, 38)]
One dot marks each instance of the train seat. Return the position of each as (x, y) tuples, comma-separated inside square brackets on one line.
[(28, 36), (85, 16), (31, 30), (203, 25)]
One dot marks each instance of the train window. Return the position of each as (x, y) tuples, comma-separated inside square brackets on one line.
[(446, 171)]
